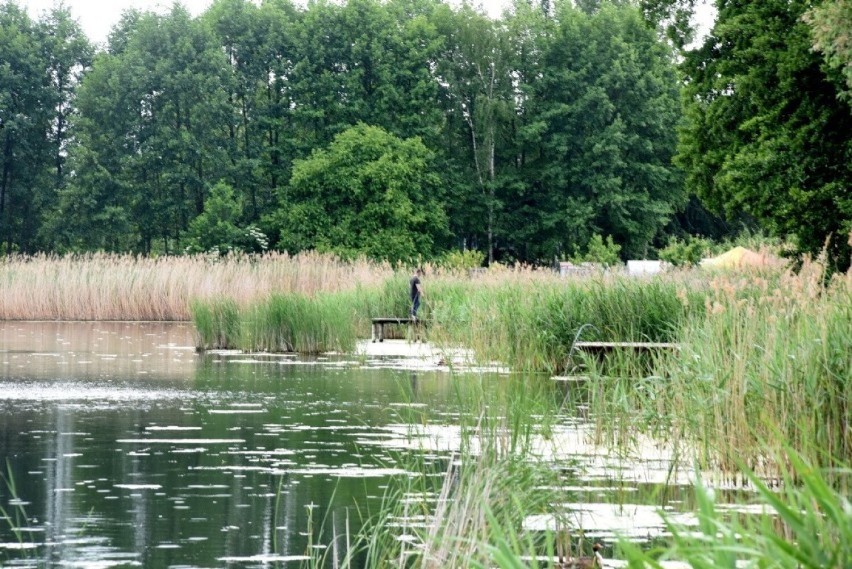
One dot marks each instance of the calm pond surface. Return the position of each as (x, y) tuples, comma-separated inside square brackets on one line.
[(126, 448)]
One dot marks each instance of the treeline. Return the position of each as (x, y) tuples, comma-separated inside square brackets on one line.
[(402, 129)]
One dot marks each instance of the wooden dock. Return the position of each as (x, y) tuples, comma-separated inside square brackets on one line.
[(606, 347), (378, 333), (588, 378)]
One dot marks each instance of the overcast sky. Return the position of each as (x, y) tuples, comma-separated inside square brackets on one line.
[(98, 16)]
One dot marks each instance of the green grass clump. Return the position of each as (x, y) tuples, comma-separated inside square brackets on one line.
[(280, 323), (217, 323), (533, 324), (298, 323)]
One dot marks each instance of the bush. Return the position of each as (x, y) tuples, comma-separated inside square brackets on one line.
[(462, 260), (606, 253), (686, 253)]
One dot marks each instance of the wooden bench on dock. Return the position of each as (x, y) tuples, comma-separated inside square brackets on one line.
[(378, 333)]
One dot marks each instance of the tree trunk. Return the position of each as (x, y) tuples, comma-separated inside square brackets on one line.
[(60, 126), (4, 191), (491, 179)]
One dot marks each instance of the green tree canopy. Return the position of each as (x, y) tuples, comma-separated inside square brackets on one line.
[(40, 66), (766, 133), (368, 193), (218, 229), (522, 136), (831, 25), (152, 132), (602, 131)]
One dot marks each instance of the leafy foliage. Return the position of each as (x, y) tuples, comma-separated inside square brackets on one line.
[(216, 229), (369, 192), (150, 133), (606, 107), (544, 127), (686, 252), (765, 132), (831, 25), (462, 260), (600, 251), (39, 70)]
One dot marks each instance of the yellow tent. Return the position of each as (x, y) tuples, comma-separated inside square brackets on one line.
[(740, 257)]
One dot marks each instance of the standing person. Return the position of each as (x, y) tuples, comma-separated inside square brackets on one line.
[(416, 292)]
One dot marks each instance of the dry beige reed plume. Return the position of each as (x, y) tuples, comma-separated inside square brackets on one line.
[(103, 286)]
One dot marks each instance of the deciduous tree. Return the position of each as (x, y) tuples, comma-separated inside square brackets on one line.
[(606, 108), (25, 125), (368, 193), (766, 133), (153, 121)]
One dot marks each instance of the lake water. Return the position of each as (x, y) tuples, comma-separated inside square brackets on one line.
[(127, 448)]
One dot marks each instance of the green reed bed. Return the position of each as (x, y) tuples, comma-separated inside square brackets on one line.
[(450, 518), (528, 321), (280, 323), (532, 324), (217, 323), (761, 385), (769, 362), (386, 299), (297, 323)]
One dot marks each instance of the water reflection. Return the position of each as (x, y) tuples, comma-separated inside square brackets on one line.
[(126, 448), (86, 350)]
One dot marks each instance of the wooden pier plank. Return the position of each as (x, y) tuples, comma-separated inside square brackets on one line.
[(378, 331), (639, 346)]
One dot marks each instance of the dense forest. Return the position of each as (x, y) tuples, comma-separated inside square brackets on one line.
[(403, 129)]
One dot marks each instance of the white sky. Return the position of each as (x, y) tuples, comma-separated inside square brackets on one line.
[(98, 16)]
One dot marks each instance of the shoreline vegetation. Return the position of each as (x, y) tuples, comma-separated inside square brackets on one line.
[(764, 353), (103, 286), (760, 387)]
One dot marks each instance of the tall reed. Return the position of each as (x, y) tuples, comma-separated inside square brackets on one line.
[(124, 287), (531, 323), (526, 319), (298, 323), (279, 323), (18, 519), (434, 518), (217, 323), (770, 361), (806, 523), (769, 364)]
